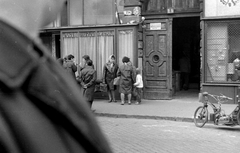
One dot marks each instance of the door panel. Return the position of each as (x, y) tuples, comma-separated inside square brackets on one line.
[(157, 62)]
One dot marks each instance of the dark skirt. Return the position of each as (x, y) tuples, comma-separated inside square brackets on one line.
[(125, 87), (110, 85)]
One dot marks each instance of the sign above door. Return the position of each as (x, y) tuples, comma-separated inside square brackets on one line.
[(155, 26)]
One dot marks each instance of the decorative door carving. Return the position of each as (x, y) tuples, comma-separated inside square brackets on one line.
[(157, 59)]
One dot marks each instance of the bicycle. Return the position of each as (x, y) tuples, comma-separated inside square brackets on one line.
[(218, 116)]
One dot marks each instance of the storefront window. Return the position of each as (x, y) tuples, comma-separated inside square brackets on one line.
[(125, 45), (70, 44), (99, 45), (223, 52), (105, 41)]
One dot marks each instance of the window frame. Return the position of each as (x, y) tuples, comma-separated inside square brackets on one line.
[(205, 53), (134, 42)]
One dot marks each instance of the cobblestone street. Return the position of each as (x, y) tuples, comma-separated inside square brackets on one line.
[(128, 135)]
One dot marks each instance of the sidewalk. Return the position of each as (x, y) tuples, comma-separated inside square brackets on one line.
[(181, 108)]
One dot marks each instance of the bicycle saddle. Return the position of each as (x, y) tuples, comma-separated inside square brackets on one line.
[(205, 93)]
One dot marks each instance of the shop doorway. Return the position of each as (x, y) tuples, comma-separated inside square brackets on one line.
[(186, 53)]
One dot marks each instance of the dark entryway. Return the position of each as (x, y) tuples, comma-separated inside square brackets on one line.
[(186, 42), (57, 45)]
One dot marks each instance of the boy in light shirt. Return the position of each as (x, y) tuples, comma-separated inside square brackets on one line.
[(139, 85)]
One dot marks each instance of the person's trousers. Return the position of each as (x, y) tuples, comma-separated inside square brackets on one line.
[(139, 94)]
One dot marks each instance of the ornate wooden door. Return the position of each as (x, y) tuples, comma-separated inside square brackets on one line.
[(157, 59)]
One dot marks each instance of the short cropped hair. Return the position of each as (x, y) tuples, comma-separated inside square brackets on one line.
[(89, 62), (86, 57), (138, 71), (125, 59), (69, 57)]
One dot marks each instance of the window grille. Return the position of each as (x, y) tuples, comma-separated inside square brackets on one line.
[(222, 51)]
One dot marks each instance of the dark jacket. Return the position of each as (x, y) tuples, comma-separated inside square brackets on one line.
[(109, 73), (41, 110), (127, 78), (80, 68), (88, 79), (70, 67)]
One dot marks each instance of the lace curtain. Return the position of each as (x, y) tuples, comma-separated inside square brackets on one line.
[(70, 45), (98, 45), (125, 43), (104, 50)]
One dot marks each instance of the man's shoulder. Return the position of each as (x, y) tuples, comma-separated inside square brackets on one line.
[(16, 56)]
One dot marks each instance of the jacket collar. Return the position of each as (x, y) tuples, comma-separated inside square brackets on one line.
[(17, 56)]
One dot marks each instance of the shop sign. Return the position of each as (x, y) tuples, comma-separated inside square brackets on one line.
[(221, 8), (155, 26)]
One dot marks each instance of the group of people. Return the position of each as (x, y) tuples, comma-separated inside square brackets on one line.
[(86, 77), (130, 80)]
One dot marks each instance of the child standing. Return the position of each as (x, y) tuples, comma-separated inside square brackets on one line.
[(139, 85)]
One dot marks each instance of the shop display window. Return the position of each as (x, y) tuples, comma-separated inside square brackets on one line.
[(99, 45), (125, 45), (222, 62)]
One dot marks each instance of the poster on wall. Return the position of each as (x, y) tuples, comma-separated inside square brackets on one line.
[(221, 8)]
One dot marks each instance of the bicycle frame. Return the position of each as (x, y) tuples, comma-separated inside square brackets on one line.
[(218, 115)]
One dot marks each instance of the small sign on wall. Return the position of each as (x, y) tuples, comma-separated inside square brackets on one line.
[(155, 26)]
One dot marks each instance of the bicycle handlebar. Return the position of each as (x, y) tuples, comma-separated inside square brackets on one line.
[(219, 98), (225, 97)]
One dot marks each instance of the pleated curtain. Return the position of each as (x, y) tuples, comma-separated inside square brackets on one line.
[(125, 45)]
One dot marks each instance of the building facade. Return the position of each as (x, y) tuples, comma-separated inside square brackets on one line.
[(152, 33)]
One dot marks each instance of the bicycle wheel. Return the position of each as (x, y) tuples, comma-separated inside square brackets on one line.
[(201, 116)]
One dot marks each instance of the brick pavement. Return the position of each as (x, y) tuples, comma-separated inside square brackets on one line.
[(128, 135), (181, 108)]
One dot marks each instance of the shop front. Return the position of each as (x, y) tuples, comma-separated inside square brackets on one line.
[(221, 48), (99, 42)]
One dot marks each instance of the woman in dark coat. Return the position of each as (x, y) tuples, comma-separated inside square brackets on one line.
[(109, 73), (88, 79), (126, 80)]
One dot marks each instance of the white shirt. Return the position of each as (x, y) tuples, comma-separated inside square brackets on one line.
[(139, 82)]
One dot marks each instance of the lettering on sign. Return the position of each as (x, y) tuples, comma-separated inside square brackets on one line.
[(229, 2)]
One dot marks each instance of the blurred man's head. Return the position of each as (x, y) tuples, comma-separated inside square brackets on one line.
[(30, 15)]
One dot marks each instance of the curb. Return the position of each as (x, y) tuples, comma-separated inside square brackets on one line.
[(178, 119)]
